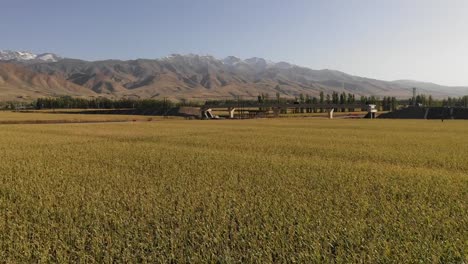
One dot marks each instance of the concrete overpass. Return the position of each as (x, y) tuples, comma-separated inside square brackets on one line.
[(276, 107)]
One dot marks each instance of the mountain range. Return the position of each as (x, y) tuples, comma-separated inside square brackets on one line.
[(25, 56), (26, 76)]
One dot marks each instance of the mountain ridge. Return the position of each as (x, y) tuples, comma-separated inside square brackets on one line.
[(26, 56), (200, 76)]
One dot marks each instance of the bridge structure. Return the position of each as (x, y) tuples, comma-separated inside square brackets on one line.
[(206, 110)]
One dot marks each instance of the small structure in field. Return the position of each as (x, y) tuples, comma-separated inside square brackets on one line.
[(372, 110), (208, 114)]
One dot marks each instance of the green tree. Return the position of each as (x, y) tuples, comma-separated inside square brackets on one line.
[(430, 101), (394, 104), (322, 99)]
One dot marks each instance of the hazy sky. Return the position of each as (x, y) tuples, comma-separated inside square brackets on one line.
[(423, 40)]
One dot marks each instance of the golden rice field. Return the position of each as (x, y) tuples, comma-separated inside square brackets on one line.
[(247, 191), (7, 117)]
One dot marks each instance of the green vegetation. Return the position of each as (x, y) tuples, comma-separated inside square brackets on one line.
[(163, 105), (277, 190), (68, 102)]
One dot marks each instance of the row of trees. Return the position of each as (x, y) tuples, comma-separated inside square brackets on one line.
[(428, 100), (385, 104), (67, 102), (100, 103), (459, 102), (389, 103), (424, 100)]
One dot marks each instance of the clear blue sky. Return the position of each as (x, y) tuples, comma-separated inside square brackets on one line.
[(423, 40)]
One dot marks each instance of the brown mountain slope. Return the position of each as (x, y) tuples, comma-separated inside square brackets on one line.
[(17, 82), (193, 76)]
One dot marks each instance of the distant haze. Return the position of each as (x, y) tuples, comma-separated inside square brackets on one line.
[(424, 40)]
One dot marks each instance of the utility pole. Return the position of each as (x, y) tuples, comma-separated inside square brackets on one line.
[(414, 96)]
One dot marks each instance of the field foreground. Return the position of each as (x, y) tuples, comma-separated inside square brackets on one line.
[(8, 118), (295, 190)]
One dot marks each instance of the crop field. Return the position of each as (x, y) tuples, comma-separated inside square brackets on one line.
[(7, 117), (235, 191)]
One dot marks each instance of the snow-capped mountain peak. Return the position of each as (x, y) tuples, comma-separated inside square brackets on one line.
[(9, 55), (49, 57), (231, 60), (16, 55)]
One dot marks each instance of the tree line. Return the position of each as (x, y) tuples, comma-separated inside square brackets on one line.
[(428, 100), (67, 102), (383, 104), (386, 104)]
